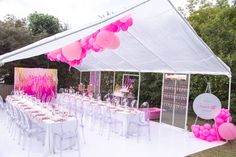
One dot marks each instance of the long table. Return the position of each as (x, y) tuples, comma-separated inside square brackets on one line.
[(44, 116), (121, 113)]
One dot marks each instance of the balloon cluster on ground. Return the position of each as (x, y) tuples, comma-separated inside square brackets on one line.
[(104, 38), (211, 133)]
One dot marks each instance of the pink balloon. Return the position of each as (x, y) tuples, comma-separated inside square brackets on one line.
[(53, 55), (219, 121), (213, 132), (209, 139), (118, 23), (195, 130), (115, 43), (227, 131), (115, 28), (227, 114), (129, 22), (207, 126), (205, 132), (222, 114), (196, 134), (91, 41), (201, 127), (104, 39), (124, 27), (230, 119), (72, 51), (202, 137)]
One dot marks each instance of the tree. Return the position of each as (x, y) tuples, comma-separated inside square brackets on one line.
[(40, 23), (15, 33), (216, 25)]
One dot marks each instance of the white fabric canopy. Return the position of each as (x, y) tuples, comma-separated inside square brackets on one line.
[(160, 40)]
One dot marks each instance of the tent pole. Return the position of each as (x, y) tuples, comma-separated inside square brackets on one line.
[(187, 102), (114, 81), (162, 90), (123, 78), (139, 84), (100, 79), (229, 96), (80, 77)]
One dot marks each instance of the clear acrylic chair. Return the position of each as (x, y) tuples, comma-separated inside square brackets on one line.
[(108, 122), (67, 130), (141, 121), (80, 117), (133, 104), (2, 106), (31, 130)]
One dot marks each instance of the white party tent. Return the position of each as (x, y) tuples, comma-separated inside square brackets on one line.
[(160, 40)]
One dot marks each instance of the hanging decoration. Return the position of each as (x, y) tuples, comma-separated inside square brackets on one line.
[(104, 38)]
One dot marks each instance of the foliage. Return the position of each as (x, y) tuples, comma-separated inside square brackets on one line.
[(41, 23), (15, 33), (216, 25)]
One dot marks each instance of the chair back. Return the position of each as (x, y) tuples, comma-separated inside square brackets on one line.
[(133, 103), (28, 122), (1, 102), (144, 105), (67, 127)]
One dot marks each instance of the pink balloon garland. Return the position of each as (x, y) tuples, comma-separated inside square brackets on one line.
[(104, 38), (211, 133)]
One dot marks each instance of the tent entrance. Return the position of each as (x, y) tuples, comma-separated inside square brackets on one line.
[(175, 99)]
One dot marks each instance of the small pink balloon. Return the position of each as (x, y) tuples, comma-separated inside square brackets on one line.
[(227, 114), (202, 137), (129, 22), (207, 126), (200, 132), (91, 41), (222, 113), (201, 127), (124, 27), (72, 51), (230, 119), (219, 121), (96, 49), (205, 132), (118, 23), (196, 134), (209, 139), (115, 28), (214, 138), (213, 132), (195, 130), (53, 55)]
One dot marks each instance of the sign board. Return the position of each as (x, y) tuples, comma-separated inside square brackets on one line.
[(175, 76), (206, 106)]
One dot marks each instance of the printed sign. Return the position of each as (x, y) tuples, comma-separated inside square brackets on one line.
[(207, 106)]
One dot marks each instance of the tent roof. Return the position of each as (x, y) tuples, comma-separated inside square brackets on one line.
[(160, 40)]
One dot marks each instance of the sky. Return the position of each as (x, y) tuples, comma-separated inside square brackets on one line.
[(71, 12)]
